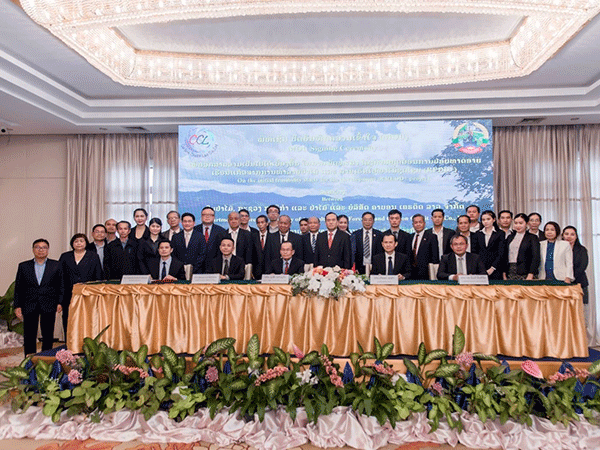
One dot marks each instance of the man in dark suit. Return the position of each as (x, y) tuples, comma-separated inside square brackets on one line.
[(288, 264), (441, 233), (243, 239), (309, 240), (39, 290), (245, 221), (121, 254), (174, 221), (189, 246), (459, 262), (282, 235), (402, 237), (166, 268), (473, 213), (365, 242), (391, 262), (230, 267), (259, 239), (422, 249), (333, 246), (212, 233), (98, 245)]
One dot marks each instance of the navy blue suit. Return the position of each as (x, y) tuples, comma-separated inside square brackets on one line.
[(340, 253), (194, 253), (358, 247), (212, 246), (38, 301)]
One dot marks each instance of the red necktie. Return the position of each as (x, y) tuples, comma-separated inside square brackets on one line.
[(287, 266), (206, 233), (330, 240), (262, 241)]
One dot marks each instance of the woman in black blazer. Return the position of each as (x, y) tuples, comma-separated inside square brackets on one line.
[(580, 260), (148, 247), (78, 266), (492, 251), (140, 231), (521, 262)]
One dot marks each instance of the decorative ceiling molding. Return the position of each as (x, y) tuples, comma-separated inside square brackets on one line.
[(91, 28)]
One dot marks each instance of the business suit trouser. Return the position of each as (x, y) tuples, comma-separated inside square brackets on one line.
[(30, 328)]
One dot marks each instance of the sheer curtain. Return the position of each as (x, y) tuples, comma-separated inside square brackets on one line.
[(554, 171), (111, 175)]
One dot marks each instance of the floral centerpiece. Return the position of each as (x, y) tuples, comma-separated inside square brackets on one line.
[(328, 282)]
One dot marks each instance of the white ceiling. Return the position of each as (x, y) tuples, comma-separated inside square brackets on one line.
[(45, 87)]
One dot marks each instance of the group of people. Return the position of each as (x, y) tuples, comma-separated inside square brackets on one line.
[(512, 248)]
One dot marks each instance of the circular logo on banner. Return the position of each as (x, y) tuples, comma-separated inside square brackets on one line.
[(470, 138), (200, 142)]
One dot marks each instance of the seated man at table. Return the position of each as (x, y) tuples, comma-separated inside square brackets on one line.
[(287, 264), (459, 262), (391, 262), (166, 267), (230, 267)]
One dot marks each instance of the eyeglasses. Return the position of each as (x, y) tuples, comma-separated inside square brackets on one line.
[(37, 247)]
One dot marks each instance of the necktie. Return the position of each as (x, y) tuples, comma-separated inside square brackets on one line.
[(314, 242), (415, 246), (330, 240), (206, 234), (390, 267), (164, 270), (225, 267), (282, 239), (396, 235), (367, 246), (187, 238), (287, 266), (262, 241), (461, 266)]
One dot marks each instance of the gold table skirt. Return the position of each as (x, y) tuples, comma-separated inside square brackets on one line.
[(514, 320)]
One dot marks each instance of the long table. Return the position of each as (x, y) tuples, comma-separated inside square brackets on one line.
[(513, 320)]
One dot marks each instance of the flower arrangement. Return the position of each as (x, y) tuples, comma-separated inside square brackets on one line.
[(328, 282), (219, 379)]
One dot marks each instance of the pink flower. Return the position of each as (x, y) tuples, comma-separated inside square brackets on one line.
[(297, 352), (66, 357), (464, 360), (75, 377), (384, 370), (437, 387), (270, 374), (212, 374), (531, 368)]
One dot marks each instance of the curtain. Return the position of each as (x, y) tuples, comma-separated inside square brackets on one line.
[(110, 175), (553, 170)]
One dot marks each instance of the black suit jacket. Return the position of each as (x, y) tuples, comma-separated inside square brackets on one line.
[(236, 267), (274, 244), (307, 251), (92, 247), (448, 266), (176, 269), (165, 234), (528, 258), (492, 254), (88, 269), (121, 261), (580, 263), (45, 296), (194, 253), (447, 234), (426, 255), (401, 265), (212, 246), (276, 266), (258, 255), (146, 234), (357, 244), (404, 241), (243, 245), (146, 253), (340, 253)]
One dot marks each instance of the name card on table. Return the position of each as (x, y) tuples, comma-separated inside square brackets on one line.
[(473, 279), (383, 279), (136, 279), (275, 279), (206, 278)]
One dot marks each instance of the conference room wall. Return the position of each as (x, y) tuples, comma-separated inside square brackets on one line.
[(33, 186)]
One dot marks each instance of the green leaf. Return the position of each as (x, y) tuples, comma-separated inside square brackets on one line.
[(458, 341), (99, 335), (446, 371), (253, 347), (410, 366), (169, 355), (484, 357), (310, 358), (386, 350), (421, 353), (360, 349), (141, 355), (324, 350), (433, 355), (594, 367), (281, 355), (377, 348), (219, 345)]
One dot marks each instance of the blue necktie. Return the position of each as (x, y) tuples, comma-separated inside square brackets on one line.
[(390, 266), (164, 270)]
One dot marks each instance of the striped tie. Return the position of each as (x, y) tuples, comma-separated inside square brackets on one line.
[(367, 246)]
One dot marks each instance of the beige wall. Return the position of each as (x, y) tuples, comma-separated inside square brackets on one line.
[(33, 187)]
